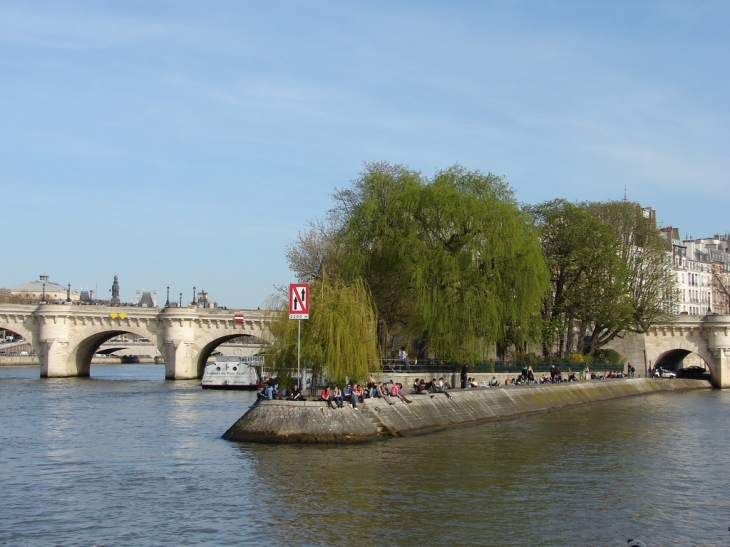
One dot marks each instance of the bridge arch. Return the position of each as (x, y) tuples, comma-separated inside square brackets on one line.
[(674, 360), (83, 345), (205, 345), (18, 325)]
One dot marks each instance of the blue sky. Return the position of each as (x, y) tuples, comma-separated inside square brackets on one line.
[(187, 143)]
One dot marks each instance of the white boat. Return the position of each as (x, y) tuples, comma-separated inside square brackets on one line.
[(232, 373)]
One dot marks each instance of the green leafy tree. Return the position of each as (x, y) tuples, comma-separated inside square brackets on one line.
[(651, 280), (610, 273), (587, 277), (451, 260), (338, 341)]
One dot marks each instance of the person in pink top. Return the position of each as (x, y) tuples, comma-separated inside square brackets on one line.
[(395, 391)]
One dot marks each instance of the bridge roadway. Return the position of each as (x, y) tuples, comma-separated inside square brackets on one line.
[(65, 337)]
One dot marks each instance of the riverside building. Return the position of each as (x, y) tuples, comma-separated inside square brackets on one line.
[(702, 267)]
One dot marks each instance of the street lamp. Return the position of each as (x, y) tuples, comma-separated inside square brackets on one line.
[(68, 293), (43, 297), (167, 304), (193, 302), (180, 305)]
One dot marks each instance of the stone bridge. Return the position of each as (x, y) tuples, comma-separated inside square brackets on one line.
[(66, 337), (708, 337)]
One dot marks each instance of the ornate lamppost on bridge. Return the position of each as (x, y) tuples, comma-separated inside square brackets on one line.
[(68, 294), (167, 304), (193, 302), (180, 305)]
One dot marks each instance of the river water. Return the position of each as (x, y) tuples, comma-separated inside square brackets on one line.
[(127, 458)]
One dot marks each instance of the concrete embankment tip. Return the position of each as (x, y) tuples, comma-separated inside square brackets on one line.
[(314, 422)]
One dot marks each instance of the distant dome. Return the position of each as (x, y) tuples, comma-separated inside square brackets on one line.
[(43, 288), (37, 286)]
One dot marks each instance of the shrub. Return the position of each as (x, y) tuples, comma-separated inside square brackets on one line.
[(607, 356)]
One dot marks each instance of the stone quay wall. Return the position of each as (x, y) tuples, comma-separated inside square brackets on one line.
[(314, 422)]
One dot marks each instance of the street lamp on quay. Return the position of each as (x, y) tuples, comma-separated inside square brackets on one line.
[(193, 302), (167, 304), (180, 305)]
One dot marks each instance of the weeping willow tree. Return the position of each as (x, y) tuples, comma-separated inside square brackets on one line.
[(451, 261), (338, 341)]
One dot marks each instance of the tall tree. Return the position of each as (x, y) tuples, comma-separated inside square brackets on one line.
[(651, 278), (588, 278), (450, 260), (610, 273)]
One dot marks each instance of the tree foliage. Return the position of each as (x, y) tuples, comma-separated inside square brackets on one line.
[(450, 260), (313, 253), (338, 341), (651, 277), (609, 273)]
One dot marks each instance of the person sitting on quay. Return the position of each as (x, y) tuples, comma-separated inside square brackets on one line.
[(435, 386), (265, 391), (415, 385), (347, 392), (355, 396), (483, 384), (396, 392), (494, 382), (443, 384), (296, 394), (474, 383), (326, 396), (337, 396), (421, 388), (383, 392), (372, 387), (268, 389)]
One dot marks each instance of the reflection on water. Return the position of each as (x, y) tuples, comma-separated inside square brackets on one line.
[(131, 459)]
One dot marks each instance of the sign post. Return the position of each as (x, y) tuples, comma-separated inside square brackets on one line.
[(299, 309)]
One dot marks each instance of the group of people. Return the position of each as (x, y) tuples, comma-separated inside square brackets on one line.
[(431, 386), (608, 375), (472, 383), (354, 394), (269, 389)]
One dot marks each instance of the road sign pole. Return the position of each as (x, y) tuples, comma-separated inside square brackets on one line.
[(299, 309)]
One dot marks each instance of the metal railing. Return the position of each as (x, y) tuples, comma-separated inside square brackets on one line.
[(509, 367)]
